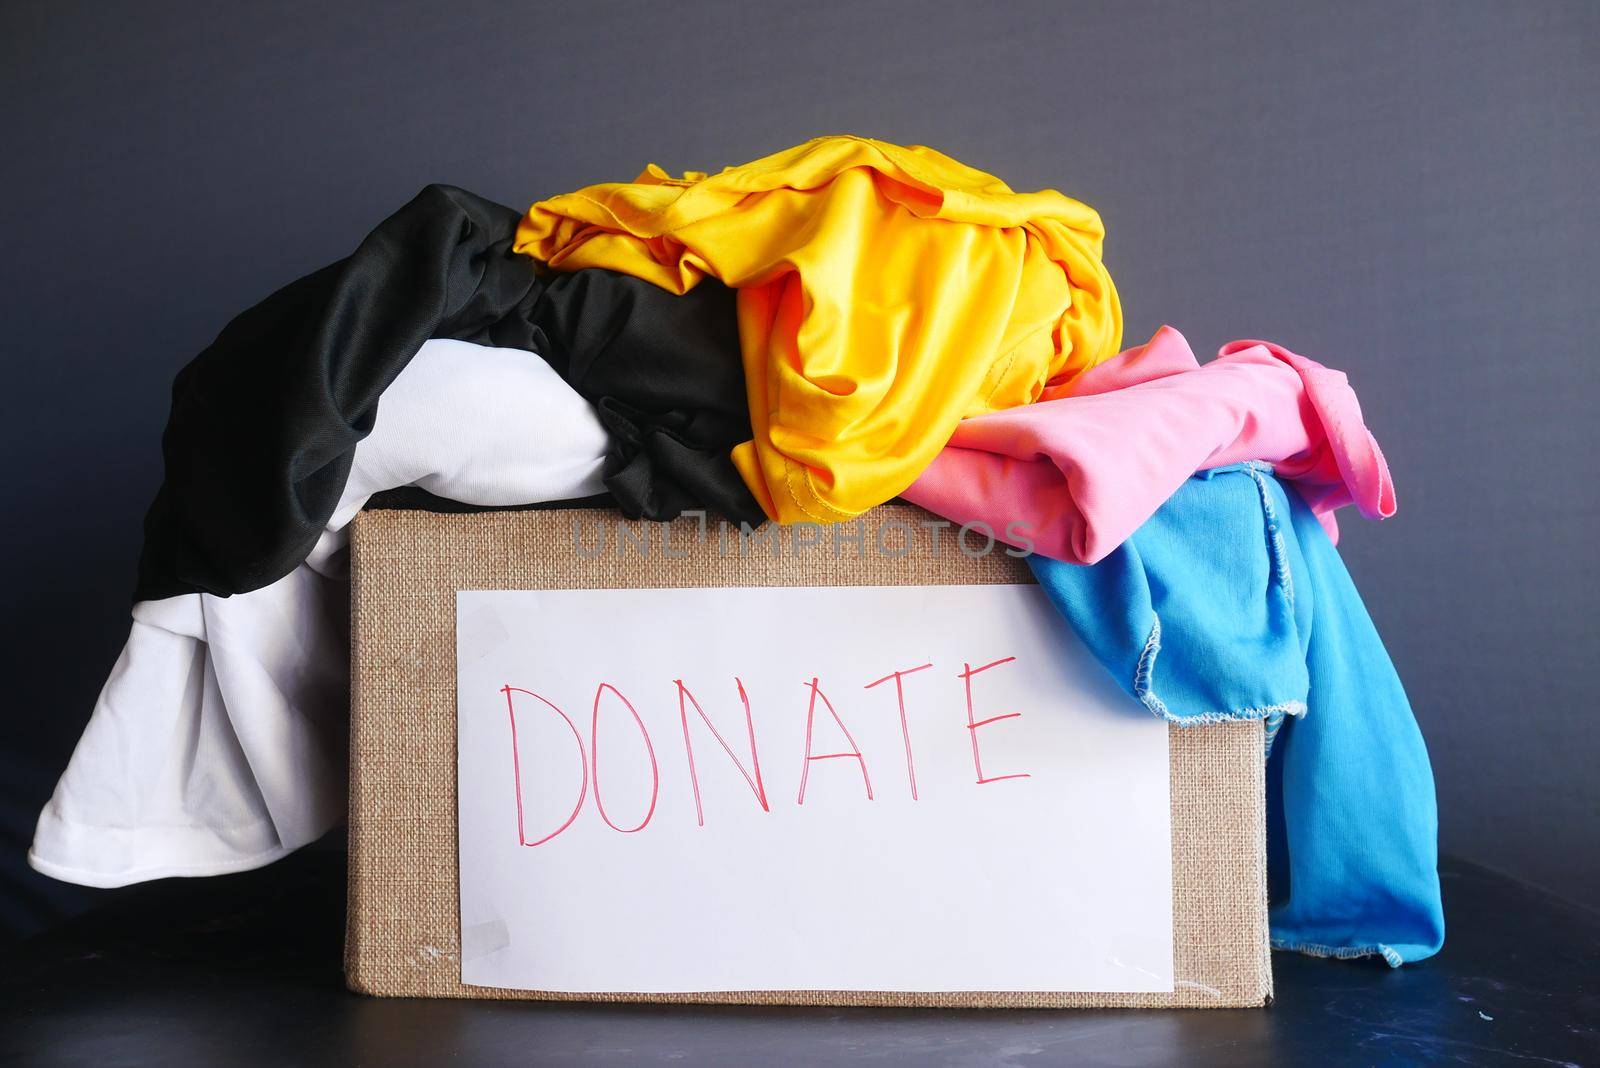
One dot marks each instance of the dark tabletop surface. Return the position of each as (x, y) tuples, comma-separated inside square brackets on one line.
[(244, 970)]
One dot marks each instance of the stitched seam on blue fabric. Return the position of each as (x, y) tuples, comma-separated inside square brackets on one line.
[(1147, 657), (1147, 696), (1271, 725), (1316, 949), (1258, 473)]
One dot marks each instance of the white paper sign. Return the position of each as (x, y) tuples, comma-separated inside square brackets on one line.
[(732, 789)]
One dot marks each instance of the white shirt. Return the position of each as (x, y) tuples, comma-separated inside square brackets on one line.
[(219, 741)]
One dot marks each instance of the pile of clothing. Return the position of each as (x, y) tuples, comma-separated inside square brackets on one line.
[(798, 339)]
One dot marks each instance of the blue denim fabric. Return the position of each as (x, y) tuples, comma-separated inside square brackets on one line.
[(1231, 603)]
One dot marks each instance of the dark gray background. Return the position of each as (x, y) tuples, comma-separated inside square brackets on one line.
[(1405, 191)]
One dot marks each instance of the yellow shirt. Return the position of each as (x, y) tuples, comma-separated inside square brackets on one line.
[(885, 294)]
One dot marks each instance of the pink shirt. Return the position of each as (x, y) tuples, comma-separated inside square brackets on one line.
[(1082, 469)]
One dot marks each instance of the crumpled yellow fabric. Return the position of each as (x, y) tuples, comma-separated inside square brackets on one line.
[(885, 294)]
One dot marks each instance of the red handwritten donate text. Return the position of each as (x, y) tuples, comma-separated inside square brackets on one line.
[(821, 714)]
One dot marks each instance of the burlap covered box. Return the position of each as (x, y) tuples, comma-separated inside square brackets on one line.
[(403, 933)]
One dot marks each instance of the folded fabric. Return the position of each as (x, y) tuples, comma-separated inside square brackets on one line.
[(664, 375), (1078, 472), (885, 293), (265, 421), (1231, 602), (219, 741)]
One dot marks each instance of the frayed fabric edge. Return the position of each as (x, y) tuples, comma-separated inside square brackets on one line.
[(1390, 955), (1145, 692)]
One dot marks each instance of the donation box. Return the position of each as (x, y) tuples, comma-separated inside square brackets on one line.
[(862, 764)]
